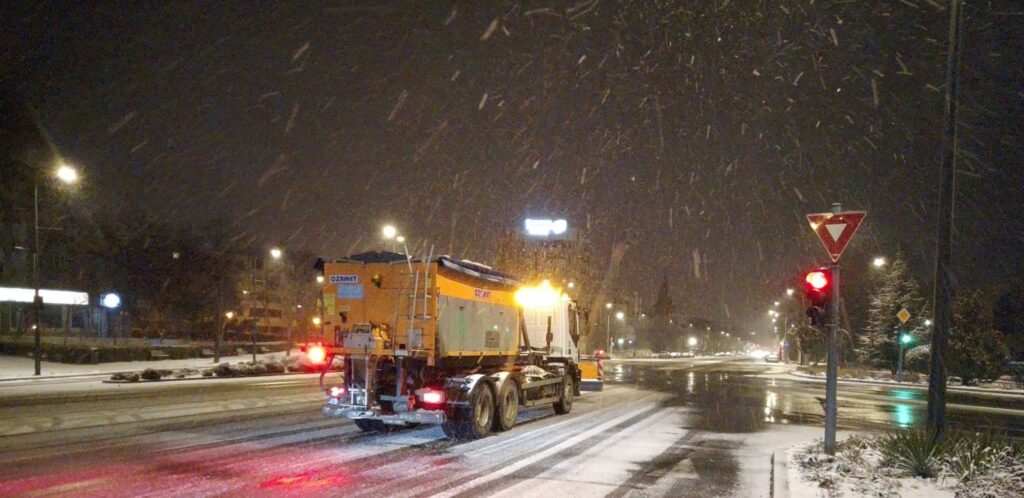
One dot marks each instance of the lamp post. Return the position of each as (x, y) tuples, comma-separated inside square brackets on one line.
[(608, 326), (275, 254), (111, 302), (319, 321), (68, 175)]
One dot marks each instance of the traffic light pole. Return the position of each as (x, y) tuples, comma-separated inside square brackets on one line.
[(899, 363), (832, 363)]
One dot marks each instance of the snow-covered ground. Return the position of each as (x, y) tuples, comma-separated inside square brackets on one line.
[(1001, 388), (852, 472), (15, 367)]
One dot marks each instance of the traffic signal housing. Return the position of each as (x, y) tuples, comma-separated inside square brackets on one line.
[(818, 290)]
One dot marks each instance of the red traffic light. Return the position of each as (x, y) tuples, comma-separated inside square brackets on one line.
[(818, 286), (817, 280)]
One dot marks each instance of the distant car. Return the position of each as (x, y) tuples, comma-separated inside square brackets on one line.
[(721, 354), (675, 354), (661, 354), (687, 354), (772, 358)]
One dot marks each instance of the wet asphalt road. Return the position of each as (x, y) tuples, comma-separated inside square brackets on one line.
[(661, 428)]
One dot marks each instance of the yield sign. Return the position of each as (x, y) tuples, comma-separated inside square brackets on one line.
[(835, 229)]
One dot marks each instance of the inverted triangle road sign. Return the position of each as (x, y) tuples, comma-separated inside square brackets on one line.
[(835, 230)]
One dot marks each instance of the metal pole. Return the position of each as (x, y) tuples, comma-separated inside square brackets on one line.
[(252, 300), (266, 306), (943, 293), (37, 300), (832, 358), (899, 363), (608, 330)]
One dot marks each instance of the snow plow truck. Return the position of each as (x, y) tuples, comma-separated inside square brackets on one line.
[(443, 341)]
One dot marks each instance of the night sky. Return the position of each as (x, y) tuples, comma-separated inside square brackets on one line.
[(699, 133)]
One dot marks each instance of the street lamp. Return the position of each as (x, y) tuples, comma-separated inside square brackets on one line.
[(66, 174), (111, 302), (316, 321), (275, 253), (229, 315), (620, 316), (789, 292), (692, 342), (319, 279), (390, 233), (878, 262)]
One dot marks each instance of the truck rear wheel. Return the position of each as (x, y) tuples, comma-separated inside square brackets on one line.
[(369, 425), (474, 421), (564, 403), (507, 409)]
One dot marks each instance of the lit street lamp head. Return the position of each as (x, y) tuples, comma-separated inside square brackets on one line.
[(620, 315), (111, 301), (67, 174), (389, 232), (878, 262), (400, 239), (275, 253)]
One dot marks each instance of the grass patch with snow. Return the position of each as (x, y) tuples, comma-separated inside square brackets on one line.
[(909, 463)]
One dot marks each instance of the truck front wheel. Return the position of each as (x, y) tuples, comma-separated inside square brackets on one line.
[(564, 403)]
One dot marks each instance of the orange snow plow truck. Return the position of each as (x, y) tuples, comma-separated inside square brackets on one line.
[(443, 341)]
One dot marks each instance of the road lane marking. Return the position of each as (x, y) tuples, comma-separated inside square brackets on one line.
[(564, 445)]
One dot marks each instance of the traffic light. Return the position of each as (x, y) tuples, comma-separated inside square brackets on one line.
[(906, 338), (818, 289)]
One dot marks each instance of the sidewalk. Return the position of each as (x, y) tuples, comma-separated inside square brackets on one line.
[(18, 368), (994, 391)]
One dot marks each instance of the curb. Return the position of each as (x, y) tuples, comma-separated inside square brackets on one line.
[(212, 377), (959, 389)]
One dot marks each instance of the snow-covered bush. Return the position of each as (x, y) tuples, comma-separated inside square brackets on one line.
[(912, 450), (150, 374), (225, 370)]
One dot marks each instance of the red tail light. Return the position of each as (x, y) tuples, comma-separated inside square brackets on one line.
[(431, 396), (316, 354), (336, 391)]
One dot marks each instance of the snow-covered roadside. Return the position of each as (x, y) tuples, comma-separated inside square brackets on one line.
[(14, 367), (987, 389), (855, 471)]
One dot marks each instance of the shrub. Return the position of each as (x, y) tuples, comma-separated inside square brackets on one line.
[(969, 457), (913, 450), (257, 369), (119, 376), (275, 367), (225, 370), (132, 377), (207, 373), (150, 374)]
